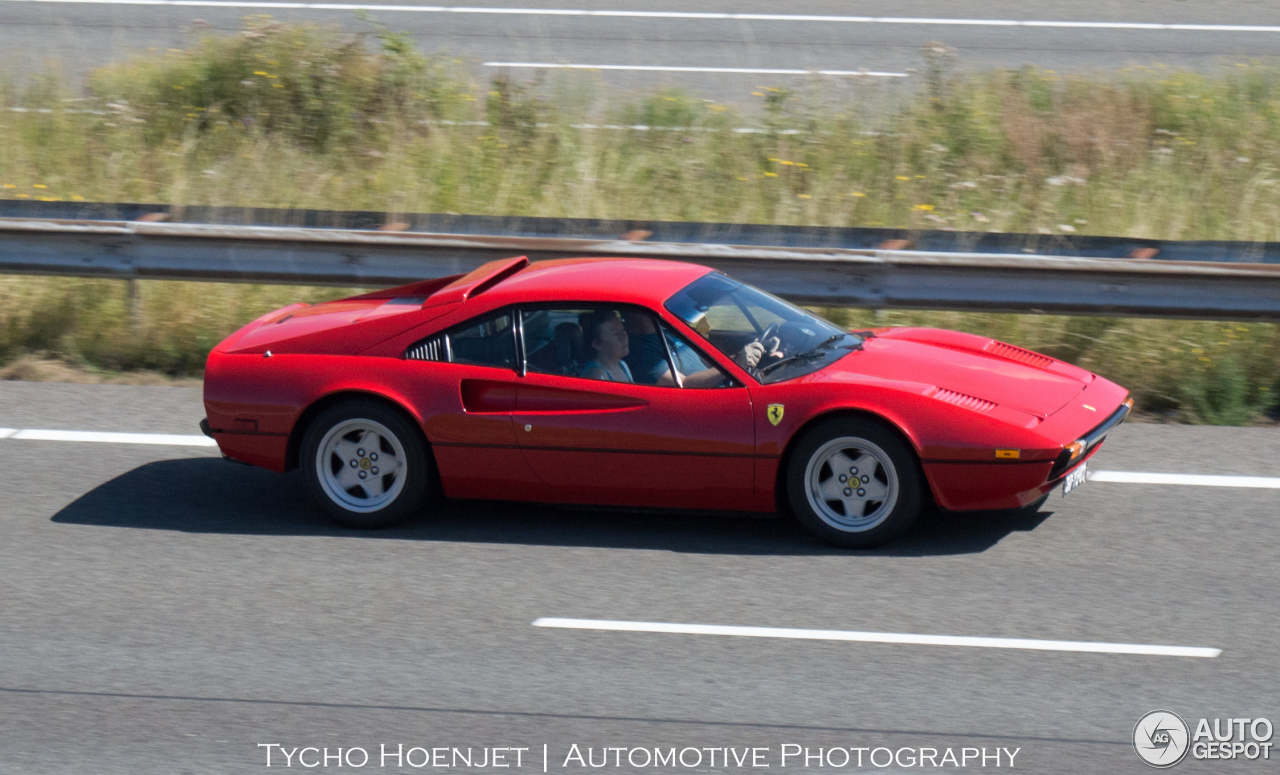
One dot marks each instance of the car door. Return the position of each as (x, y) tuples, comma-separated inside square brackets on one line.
[(463, 382), (612, 441)]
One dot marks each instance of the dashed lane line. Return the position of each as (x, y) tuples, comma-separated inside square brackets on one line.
[(1190, 480), (680, 69), (162, 439), (684, 15), (879, 637)]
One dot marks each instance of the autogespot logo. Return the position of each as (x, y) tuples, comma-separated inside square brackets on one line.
[(1161, 738)]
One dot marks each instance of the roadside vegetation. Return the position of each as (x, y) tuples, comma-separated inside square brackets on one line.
[(307, 117)]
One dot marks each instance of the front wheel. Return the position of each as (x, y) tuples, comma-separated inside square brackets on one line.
[(853, 483), (365, 464)]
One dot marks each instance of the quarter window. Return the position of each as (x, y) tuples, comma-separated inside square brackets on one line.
[(489, 341)]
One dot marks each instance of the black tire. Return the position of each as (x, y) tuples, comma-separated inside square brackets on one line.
[(891, 461), (402, 492)]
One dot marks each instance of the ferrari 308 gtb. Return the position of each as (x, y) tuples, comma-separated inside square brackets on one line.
[(645, 383)]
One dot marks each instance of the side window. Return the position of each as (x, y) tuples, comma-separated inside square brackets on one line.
[(489, 341), (585, 341), (553, 340), (607, 343), (647, 355), (613, 344), (695, 370)]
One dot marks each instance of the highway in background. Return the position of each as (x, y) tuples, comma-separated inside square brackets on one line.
[(166, 611), (666, 42)]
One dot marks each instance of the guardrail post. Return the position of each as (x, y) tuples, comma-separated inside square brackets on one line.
[(135, 308)]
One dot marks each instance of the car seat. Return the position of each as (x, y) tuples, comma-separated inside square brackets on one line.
[(567, 342)]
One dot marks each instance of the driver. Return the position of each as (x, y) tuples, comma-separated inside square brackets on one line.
[(648, 356)]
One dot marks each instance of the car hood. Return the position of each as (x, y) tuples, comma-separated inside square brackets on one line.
[(968, 367)]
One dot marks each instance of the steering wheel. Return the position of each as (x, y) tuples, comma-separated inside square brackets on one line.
[(767, 334)]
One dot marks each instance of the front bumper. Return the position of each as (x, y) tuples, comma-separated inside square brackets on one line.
[(964, 486), (1090, 441)]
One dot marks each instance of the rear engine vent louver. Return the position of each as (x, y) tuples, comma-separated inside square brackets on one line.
[(960, 399), (1009, 352), (433, 349)]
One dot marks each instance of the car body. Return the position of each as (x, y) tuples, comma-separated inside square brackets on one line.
[(987, 425)]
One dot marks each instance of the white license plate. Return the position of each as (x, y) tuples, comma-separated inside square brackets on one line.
[(1075, 478)]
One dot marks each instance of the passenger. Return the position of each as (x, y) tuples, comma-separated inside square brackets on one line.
[(607, 345)]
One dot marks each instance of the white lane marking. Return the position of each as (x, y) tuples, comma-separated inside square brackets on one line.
[(164, 439), (7, 432), (1195, 480), (879, 637), (683, 15), (677, 69)]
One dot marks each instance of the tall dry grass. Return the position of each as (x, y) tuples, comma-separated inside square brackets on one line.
[(290, 116)]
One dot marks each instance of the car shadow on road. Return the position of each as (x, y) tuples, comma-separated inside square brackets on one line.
[(208, 495)]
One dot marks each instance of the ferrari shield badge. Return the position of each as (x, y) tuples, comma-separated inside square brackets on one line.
[(774, 413)]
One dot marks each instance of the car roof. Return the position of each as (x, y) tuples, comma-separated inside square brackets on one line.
[(647, 282)]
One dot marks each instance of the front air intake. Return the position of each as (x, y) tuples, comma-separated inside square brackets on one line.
[(960, 399), (1011, 353)]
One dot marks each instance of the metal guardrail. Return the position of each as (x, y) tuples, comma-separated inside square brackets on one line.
[(809, 275), (753, 234)]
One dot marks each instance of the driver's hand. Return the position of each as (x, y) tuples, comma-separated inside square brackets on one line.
[(773, 345), (752, 353)]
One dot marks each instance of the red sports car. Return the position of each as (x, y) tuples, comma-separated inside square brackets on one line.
[(645, 383)]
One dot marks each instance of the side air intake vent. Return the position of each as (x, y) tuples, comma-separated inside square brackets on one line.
[(960, 399), (1009, 352), (435, 348)]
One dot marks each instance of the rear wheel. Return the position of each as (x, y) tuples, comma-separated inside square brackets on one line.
[(365, 464), (853, 483)]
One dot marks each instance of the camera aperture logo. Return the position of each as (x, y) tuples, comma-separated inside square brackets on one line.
[(1160, 738)]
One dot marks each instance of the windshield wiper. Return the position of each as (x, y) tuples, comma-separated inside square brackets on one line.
[(808, 355), (829, 340), (813, 353)]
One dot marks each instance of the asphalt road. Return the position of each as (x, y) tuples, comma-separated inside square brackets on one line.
[(81, 35), (163, 611)]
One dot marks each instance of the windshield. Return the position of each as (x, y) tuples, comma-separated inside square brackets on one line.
[(770, 338)]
